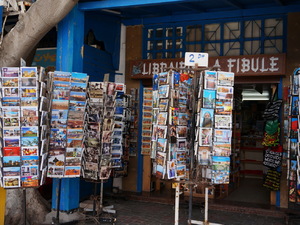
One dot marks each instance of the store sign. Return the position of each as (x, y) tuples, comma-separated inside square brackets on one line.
[(245, 65)]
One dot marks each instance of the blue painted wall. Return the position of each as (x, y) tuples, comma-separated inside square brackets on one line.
[(106, 29)]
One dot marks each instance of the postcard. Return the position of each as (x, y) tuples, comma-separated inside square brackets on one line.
[(162, 144), (116, 154), (181, 157), (10, 82), (29, 72), (220, 177), (30, 181), (206, 117), (56, 171), (56, 159), (163, 104), (29, 151), (106, 136), (183, 119), (181, 170), (11, 141), (75, 104), (73, 161), (115, 163), (11, 182), (109, 112), (295, 106), (204, 155), (77, 96), (30, 160), (221, 149), (181, 144), (209, 98), (11, 171), (10, 71), (74, 152), (160, 158), (79, 77), (111, 88), (205, 138), (60, 104), (75, 133), (224, 106), (173, 112), (181, 131), (29, 131), (183, 92), (79, 87), (29, 111), (29, 141), (11, 161), (159, 171), (105, 172), (59, 123), (11, 122), (10, 92), (76, 115), (147, 103), (61, 94), (162, 79), (225, 78), (11, 151), (31, 101), (28, 92), (10, 101), (11, 111), (11, 131), (220, 163), (61, 85), (222, 135), (163, 91), (171, 169), (29, 121), (223, 121), (75, 124), (210, 79), (224, 92), (28, 82), (161, 131), (74, 143), (59, 114), (119, 111)]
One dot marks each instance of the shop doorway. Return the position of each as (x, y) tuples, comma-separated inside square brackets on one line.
[(250, 103)]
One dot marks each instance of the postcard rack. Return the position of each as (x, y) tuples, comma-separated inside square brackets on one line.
[(293, 154), (211, 106)]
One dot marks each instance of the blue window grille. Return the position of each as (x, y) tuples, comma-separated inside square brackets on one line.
[(247, 36)]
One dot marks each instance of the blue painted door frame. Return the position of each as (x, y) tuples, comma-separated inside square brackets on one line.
[(70, 40)]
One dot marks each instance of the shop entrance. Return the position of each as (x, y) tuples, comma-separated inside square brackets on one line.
[(250, 103)]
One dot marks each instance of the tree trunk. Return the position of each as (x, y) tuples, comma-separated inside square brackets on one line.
[(32, 26)]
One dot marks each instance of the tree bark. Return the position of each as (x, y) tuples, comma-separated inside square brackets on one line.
[(32, 26)]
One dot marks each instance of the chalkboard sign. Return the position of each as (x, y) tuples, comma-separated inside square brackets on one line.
[(272, 158), (272, 180)]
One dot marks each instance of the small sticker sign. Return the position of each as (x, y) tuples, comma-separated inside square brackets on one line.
[(193, 58)]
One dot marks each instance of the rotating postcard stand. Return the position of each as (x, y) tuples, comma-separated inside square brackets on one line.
[(103, 146), (65, 141), (212, 131), (200, 168), (23, 129)]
